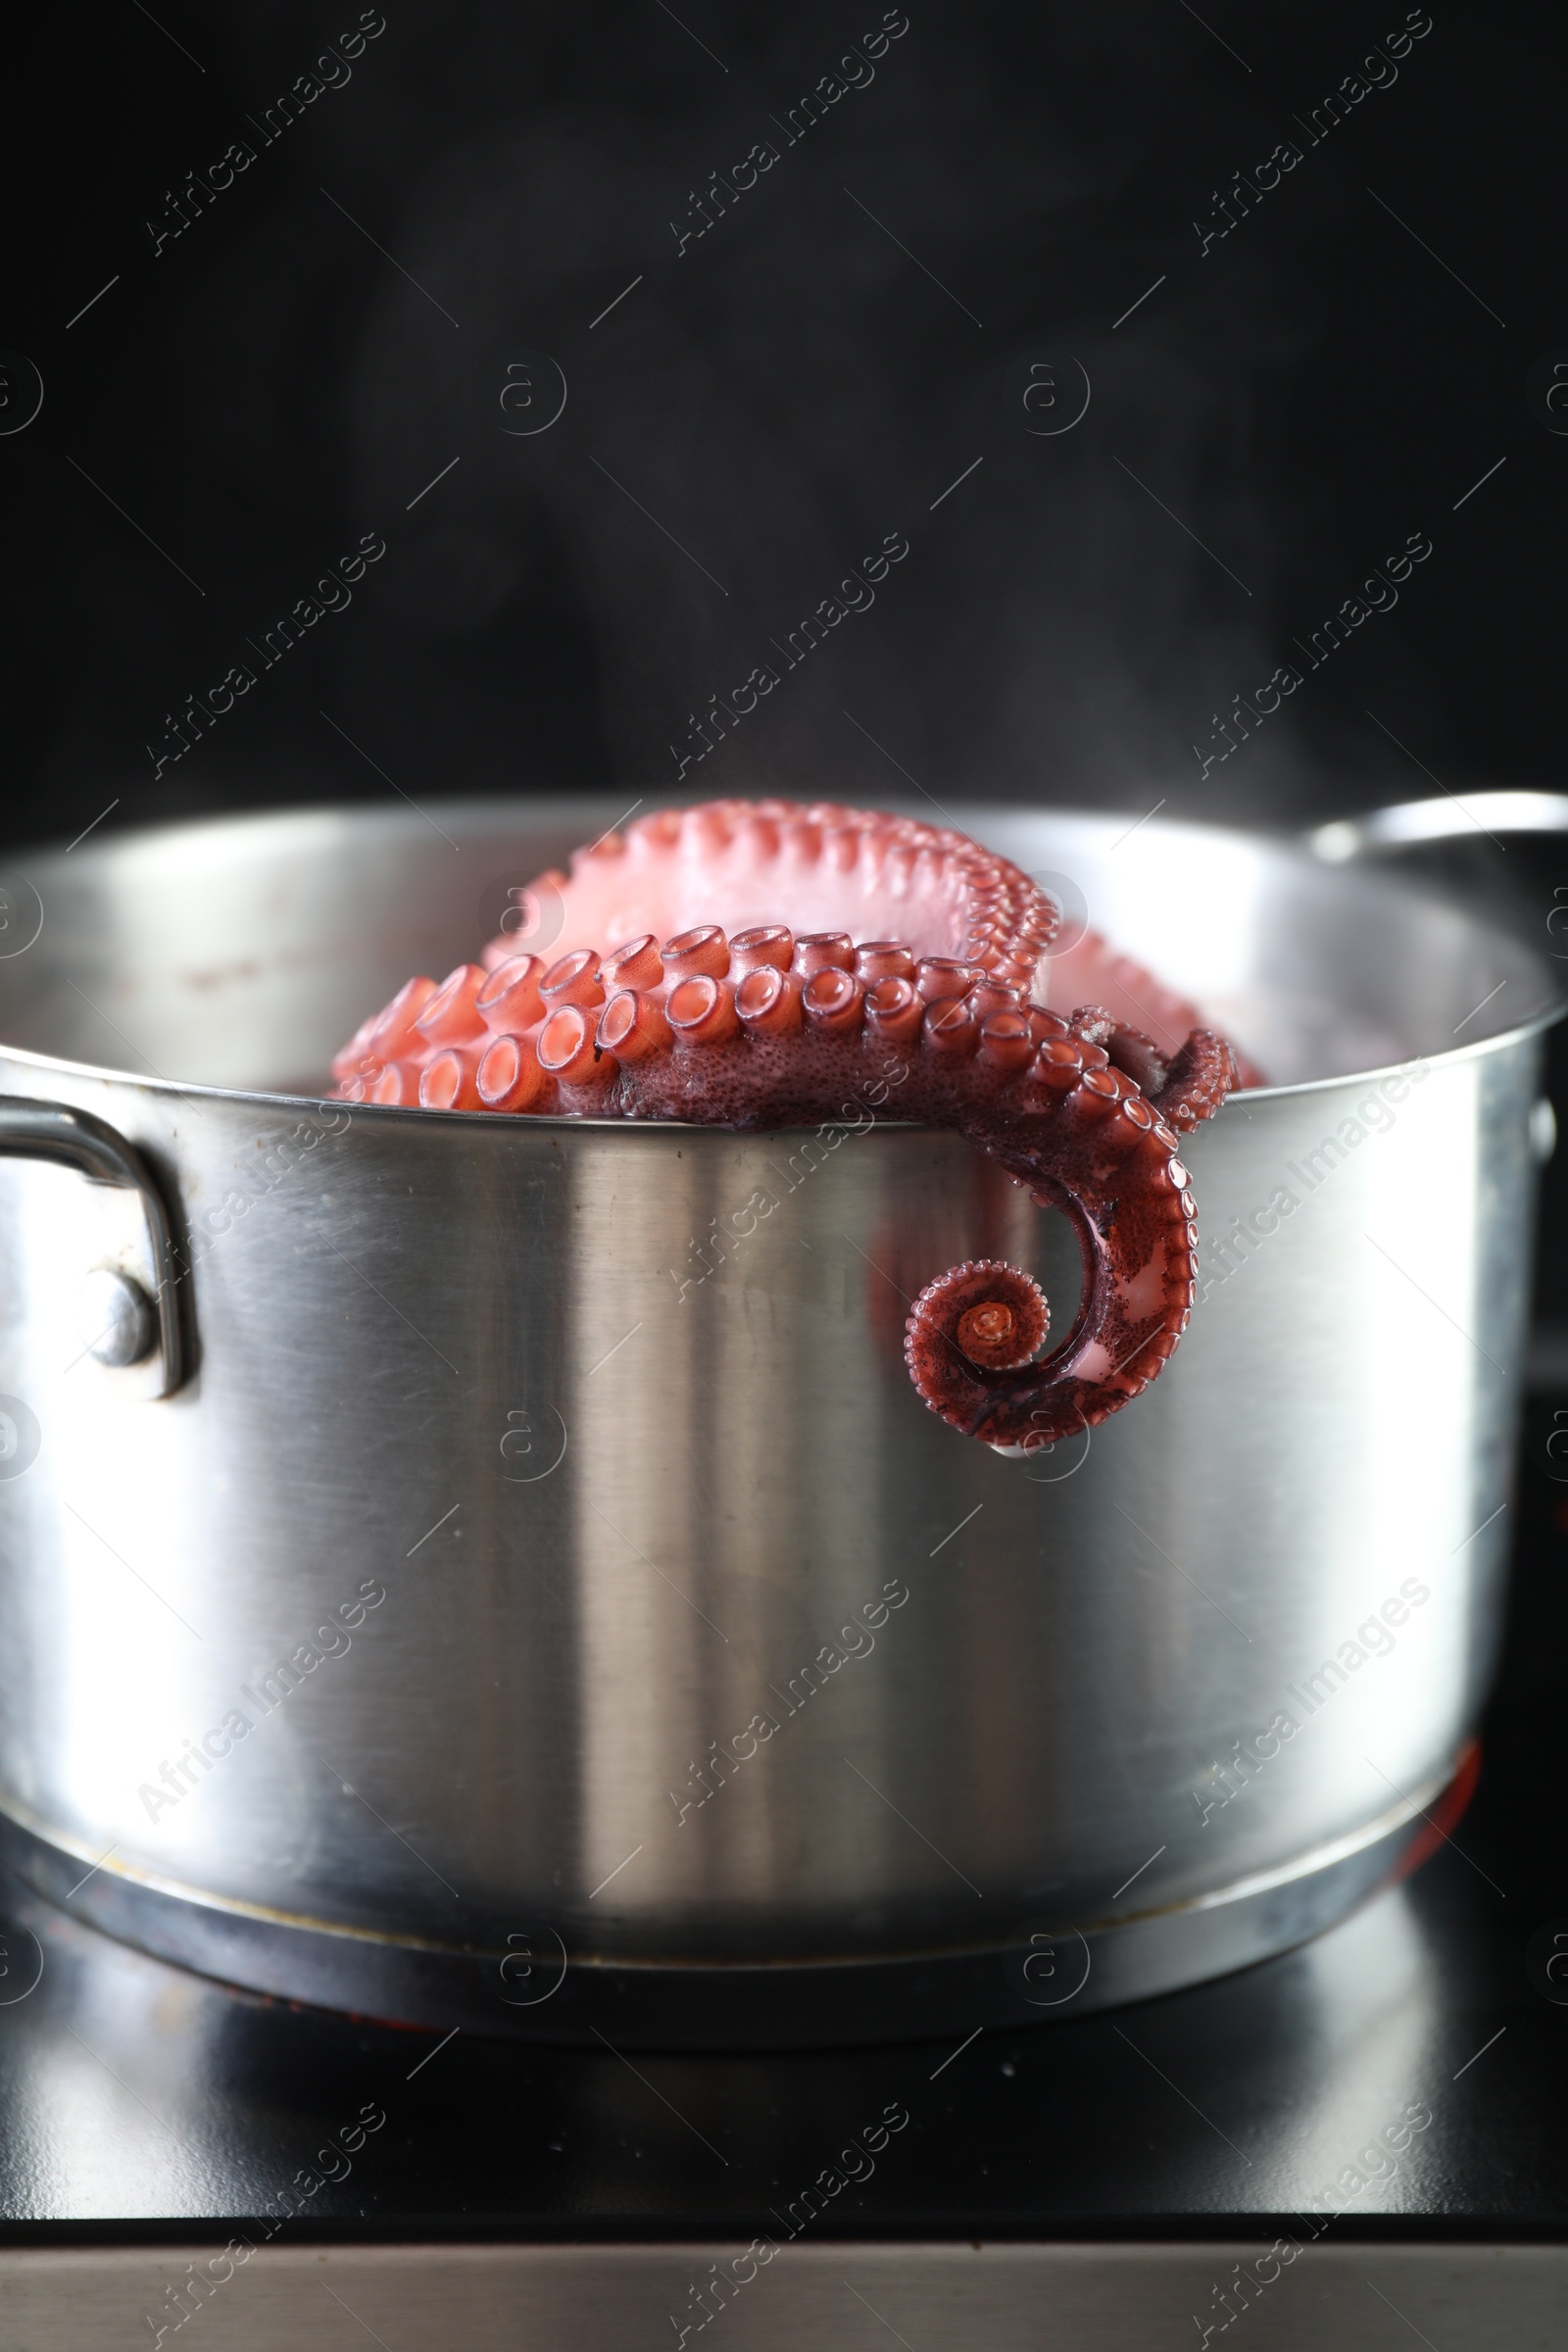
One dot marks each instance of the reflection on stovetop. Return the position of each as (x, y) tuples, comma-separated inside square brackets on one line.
[(1408, 2072)]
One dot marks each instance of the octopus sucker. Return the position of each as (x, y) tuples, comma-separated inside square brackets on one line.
[(766, 965)]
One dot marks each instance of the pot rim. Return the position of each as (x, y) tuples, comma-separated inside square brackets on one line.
[(1293, 849), (56, 1066)]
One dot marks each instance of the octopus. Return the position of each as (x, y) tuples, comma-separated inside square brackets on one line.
[(860, 952)]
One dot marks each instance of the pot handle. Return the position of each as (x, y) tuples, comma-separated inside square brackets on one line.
[(76, 1139), (1409, 823)]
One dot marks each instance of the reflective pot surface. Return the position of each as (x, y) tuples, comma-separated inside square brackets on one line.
[(542, 1603)]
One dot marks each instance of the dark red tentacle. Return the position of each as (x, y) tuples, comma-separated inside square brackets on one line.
[(778, 1026), (1199, 1080)]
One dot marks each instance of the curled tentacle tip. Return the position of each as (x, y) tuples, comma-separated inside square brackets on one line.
[(998, 1334), (982, 1317)]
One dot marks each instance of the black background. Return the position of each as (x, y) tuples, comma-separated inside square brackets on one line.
[(266, 386)]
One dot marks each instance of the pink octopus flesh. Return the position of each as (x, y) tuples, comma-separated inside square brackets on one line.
[(927, 956)]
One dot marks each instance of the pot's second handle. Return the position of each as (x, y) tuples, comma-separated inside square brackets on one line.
[(76, 1139), (1382, 832)]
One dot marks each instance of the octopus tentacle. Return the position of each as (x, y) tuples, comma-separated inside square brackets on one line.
[(1137, 1239), (1201, 1076), (862, 955), (1183, 1087)]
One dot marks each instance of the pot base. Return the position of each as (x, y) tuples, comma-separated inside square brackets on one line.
[(536, 1992)]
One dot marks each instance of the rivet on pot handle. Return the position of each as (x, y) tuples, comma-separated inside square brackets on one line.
[(76, 1139)]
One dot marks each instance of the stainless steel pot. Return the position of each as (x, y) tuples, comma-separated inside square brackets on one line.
[(514, 1583)]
